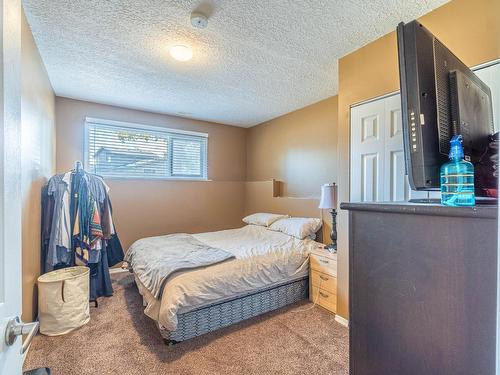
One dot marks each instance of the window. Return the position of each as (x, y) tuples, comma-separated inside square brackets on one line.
[(119, 149)]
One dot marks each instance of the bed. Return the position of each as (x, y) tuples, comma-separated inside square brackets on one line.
[(265, 270)]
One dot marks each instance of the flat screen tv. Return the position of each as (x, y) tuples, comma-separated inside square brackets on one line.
[(440, 97)]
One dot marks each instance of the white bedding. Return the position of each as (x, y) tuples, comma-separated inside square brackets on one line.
[(263, 258)]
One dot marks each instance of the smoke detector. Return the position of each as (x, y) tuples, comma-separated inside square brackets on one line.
[(199, 20)]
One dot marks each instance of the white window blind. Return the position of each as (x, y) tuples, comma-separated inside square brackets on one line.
[(117, 149)]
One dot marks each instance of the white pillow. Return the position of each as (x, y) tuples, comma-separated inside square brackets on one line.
[(300, 227), (263, 218)]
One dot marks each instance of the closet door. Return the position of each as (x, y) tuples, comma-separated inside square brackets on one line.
[(396, 186), (368, 152), (378, 171)]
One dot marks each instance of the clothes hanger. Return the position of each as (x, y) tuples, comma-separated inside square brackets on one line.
[(79, 167), (80, 170)]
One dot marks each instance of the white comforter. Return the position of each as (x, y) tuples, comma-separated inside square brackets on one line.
[(263, 258)]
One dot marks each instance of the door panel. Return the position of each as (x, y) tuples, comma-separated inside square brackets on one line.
[(396, 124), (370, 129), (397, 188), (399, 184), (369, 177)]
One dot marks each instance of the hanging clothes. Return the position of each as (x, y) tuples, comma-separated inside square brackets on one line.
[(78, 228), (87, 230), (59, 246)]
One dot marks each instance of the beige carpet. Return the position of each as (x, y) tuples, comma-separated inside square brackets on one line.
[(120, 339)]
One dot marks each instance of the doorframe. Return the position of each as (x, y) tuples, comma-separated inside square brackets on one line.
[(375, 98), (10, 180)]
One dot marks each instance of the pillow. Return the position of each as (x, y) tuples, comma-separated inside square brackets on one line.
[(263, 218), (299, 227), (312, 237)]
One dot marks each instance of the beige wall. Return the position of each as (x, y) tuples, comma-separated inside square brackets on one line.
[(151, 207), (259, 198), (471, 29), (38, 159), (299, 149)]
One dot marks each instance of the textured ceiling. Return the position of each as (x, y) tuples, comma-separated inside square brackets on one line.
[(256, 60)]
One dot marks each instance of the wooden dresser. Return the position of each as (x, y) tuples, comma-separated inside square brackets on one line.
[(422, 289), (323, 279)]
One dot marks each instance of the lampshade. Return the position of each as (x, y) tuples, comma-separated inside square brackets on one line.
[(328, 196)]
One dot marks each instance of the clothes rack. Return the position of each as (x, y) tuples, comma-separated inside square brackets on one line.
[(78, 228)]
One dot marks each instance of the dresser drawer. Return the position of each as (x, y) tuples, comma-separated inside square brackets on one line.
[(323, 264), (324, 281), (325, 299)]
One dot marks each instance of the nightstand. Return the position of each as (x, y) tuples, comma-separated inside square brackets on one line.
[(323, 279)]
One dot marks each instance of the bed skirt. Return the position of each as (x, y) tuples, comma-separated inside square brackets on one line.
[(210, 318)]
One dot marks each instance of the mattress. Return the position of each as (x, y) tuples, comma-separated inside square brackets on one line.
[(263, 258)]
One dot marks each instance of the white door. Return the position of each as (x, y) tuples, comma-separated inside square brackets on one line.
[(368, 152), (378, 171), (10, 171)]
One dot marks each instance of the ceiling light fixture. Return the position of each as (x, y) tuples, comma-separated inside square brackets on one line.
[(181, 52)]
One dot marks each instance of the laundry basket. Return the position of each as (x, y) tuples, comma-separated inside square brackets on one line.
[(63, 300)]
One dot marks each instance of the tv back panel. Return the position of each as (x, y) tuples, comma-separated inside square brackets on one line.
[(471, 113)]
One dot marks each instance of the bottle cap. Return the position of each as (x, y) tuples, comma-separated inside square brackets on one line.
[(456, 149)]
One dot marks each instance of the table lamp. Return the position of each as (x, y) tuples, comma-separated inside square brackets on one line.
[(329, 201)]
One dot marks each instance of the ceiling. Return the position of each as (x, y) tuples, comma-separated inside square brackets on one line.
[(255, 61)]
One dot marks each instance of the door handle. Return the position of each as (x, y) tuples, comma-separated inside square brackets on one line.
[(15, 328)]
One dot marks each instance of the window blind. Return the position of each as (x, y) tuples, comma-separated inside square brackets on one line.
[(116, 149)]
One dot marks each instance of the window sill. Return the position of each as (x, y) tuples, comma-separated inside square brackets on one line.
[(156, 178)]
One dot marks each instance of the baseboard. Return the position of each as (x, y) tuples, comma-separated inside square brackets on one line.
[(341, 320)]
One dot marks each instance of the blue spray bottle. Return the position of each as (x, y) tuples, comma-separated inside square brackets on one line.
[(457, 177)]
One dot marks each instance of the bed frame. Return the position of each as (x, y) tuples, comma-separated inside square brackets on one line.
[(212, 317)]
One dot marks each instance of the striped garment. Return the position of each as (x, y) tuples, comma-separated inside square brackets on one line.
[(87, 232)]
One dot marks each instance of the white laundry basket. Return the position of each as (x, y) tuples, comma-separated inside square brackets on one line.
[(63, 300)]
